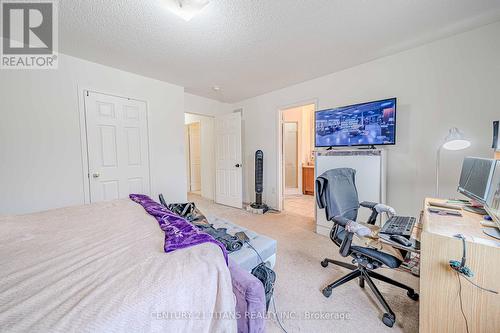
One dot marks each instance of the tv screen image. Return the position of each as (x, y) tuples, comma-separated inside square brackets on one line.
[(366, 124)]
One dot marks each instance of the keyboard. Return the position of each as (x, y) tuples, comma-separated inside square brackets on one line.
[(399, 225)]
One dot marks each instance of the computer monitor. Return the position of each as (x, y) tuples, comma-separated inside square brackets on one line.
[(476, 177), (493, 197)]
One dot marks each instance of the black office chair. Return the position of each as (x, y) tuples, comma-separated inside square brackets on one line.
[(336, 193)]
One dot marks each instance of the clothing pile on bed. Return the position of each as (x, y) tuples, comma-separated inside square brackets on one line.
[(192, 214), (179, 233), (257, 257)]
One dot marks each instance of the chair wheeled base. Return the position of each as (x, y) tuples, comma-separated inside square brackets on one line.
[(365, 275)]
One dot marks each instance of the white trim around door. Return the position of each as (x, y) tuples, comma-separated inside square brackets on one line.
[(279, 147)]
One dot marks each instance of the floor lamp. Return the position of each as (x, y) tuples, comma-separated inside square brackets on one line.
[(453, 141)]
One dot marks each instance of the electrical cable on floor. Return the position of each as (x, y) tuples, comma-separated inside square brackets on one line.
[(276, 313), (272, 286), (461, 305)]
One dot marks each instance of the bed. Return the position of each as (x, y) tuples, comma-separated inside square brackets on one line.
[(102, 268)]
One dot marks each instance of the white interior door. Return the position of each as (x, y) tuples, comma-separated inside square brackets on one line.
[(195, 156), (228, 161), (117, 145)]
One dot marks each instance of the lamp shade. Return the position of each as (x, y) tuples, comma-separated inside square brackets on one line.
[(455, 140)]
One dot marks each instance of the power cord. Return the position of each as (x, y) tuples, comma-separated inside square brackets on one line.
[(276, 312), (461, 304), (462, 270), (278, 319), (478, 286), (257, 252)]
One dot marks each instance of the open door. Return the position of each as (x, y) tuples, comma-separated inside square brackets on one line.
[(228, 161)]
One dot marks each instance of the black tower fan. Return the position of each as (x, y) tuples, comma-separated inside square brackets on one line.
[(259, 182)]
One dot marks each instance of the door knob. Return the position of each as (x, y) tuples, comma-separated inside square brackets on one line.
[(96, 175), (238, 165)]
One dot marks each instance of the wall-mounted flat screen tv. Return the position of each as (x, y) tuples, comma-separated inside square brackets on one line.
[(366, 124)]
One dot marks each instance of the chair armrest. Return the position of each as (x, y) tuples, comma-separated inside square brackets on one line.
[(368, 204), (345, 247), (373, 217), (340, 220)]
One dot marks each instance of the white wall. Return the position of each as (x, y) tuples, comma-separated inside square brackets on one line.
[(40, 148), (204, 106), (451, 82), (207, 153)]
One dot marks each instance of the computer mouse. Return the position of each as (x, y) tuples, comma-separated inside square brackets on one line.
[(400, 240)]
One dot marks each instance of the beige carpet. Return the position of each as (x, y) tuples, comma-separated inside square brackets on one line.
[(302, 205), (300, 279)]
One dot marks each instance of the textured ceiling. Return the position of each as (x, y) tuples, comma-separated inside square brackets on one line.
[(250, 47)]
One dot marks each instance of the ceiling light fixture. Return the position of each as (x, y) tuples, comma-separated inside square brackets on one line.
[(186, 9)]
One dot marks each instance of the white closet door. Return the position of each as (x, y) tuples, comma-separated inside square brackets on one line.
[(228, 161), (117, 145)]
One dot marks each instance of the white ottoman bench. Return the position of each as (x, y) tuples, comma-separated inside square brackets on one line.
[(246, 257)]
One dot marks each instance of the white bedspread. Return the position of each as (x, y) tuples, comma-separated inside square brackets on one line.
[(101, 268)]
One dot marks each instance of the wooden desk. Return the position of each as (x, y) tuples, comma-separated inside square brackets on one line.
[(439, 284)]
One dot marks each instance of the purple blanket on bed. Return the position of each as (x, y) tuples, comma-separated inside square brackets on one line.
[(179, 233)]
